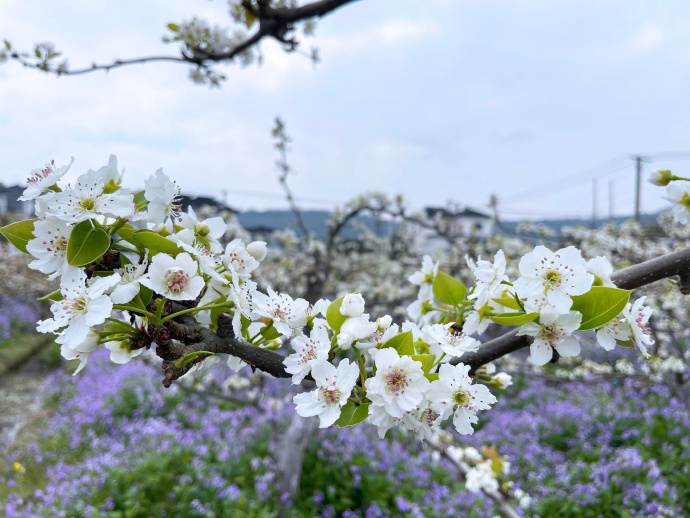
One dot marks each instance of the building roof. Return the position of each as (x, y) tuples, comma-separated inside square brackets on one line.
[(199, 201), (432, 212)]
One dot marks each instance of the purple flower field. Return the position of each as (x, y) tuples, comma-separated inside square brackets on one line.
[(112, 442)]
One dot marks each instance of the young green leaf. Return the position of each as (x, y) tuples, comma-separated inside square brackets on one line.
[(514, 319), (334, 317), (56, 295), (448, 289), (351, 414), (189, 357), (403, 343), (19, 233), (154, 242), (509, 303), (600, 305), (86, 244), (427, 361)]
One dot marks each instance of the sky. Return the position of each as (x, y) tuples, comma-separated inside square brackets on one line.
[(440, 101)]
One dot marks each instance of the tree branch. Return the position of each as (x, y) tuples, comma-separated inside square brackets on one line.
[(675, 263), (273, 22)]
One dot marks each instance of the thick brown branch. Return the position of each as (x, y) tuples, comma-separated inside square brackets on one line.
[(675, 263), (196, 338)]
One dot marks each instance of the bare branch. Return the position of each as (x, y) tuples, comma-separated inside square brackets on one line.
[(276, 23)]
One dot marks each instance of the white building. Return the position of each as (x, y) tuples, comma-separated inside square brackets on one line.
[(456, 223)]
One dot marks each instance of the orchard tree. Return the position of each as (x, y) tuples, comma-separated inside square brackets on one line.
[(138, 274)]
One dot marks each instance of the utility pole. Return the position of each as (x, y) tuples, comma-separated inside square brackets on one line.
[(638, 185), (594, 203)]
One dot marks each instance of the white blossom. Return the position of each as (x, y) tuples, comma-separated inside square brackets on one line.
[(80, 350), (559, 275), (616, 329), (307, 351), (454, 393), (334, 386), (424, 278), (488, 277), (81, 307), (451, 343), (87, 201), (162, 195), (238, 260), (287, 315), (399, 384), (41, 179), (601, 267), (355, 328), (352, 305), (678, 193), (175, 278), (258, 250), (637, 316), (49, 245), (481, 477), (129, 286), (556, 335)]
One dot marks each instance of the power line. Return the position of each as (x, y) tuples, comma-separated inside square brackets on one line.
[(566, 183)]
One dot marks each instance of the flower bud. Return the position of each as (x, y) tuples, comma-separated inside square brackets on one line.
[(353, 305), (502, 380), (661, 177), (344, 341), (257, 249), (384, 322)]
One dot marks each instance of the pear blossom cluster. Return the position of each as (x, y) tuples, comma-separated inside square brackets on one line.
[(130, 262)]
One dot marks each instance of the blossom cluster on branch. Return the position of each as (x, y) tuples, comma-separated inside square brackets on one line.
[(136, 273)]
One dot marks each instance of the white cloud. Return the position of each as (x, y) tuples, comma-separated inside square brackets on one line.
[(647, 39)]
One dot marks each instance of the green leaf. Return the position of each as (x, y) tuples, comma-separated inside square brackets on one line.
[(514, 319), (140, 199), (126, 231), (403, 343), (448, 289), (19, 233), (351, 414), (427, 361), (269, 332), (509, 302), (249, 19), (145, 295), (599, 306), (628, 344), (334, 317), (173, 27), (189, 357), (154, 242), (86, 244), (431, 376), (56, 295)]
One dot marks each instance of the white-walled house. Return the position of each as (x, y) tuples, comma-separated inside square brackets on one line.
[(465, 223)]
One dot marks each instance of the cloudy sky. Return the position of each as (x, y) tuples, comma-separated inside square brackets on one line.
[(439, 101)]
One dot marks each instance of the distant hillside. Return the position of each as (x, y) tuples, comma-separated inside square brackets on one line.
[(315, 220)]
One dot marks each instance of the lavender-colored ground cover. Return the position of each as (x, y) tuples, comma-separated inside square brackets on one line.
[(113, 443), (17, 314)]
